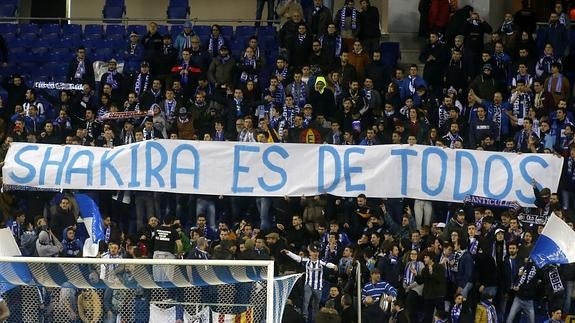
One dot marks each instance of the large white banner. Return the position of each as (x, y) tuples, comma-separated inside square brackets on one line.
[(231, 168)]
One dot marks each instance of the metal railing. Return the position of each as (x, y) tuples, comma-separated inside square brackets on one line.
[(129, 20)]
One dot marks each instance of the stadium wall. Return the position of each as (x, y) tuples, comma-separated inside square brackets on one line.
[(204, 9)]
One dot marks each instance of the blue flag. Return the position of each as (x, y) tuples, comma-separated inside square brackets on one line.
[(555, 244), (90, 213)]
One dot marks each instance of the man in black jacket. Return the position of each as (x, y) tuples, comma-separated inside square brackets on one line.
[(80, 69), (525, 288), (369, 32), (320, 19)]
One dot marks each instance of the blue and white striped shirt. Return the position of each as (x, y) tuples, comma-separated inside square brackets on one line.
[(377, 289), (313, 270)]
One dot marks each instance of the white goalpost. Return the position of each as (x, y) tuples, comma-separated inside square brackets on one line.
[(199, 290)]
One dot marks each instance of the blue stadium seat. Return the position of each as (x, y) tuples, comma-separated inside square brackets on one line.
[(72, 41), (61, 55), (51, 66), (15, 52), (202, 30), (163, 29), (227, 31), (175, 30), (130, 67), (204, 39), (41, 77), (11, 69), (30, 39), (116, 41), (115, 3), (140, 29), (49, 42), (390, 53), (7, 10), (59, 78), (179, 3), (9, 37), (8, 28), (93, 29), (29, 29), (113, 14), (27, 67), (267, 30), (270, 43), (176, 14), (19, 42), (237, 48), (115, 30), (39, 54), (242, 31), (94, 36), (51, 28), (49, 36), (94, 43), (72, 29), (102, 54), (12, 2), (240, 41)]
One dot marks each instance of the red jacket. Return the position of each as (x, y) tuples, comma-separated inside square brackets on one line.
[(438, 14)]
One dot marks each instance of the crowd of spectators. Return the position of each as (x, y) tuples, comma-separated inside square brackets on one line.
[(328, 85)]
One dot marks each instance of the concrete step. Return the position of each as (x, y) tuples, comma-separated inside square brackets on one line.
[(410, 45)]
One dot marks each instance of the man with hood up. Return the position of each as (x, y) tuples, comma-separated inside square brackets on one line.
[(322, 99)]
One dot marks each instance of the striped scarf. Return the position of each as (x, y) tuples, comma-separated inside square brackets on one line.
[(473, 246), (491, 312), (558, 86), (571, 169), (245, 76), (283, 73), (343, 14), (142, 83), (329, 252), (409, 277), (215, 50), (111, 80), (456, 313), (337, 44), (298, 93)]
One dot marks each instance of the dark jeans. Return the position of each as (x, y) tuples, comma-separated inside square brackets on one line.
[(430, 306), (260, 9)]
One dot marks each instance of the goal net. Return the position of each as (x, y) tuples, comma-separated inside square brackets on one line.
[(142, 290)]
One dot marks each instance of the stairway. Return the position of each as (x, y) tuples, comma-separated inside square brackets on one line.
[(410, 46)]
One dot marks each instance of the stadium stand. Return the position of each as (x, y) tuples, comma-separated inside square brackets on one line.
[(494, 99)]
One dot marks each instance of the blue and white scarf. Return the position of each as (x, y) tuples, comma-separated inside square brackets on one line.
[(245, 76), (491, 312), (571, 170), (337, 44), (343, 14), (558, 86), (456, 313), (142, 83), (408, 276), (298, 91), (215, 50), (110, 80)]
